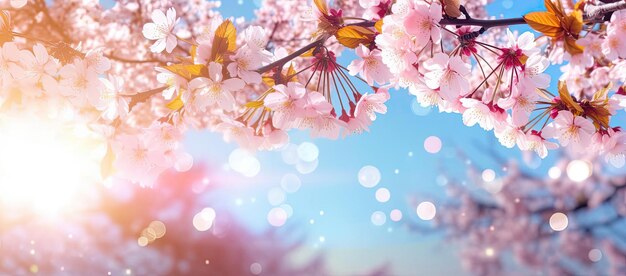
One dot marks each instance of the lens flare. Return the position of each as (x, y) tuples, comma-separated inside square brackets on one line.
[(45, 165)]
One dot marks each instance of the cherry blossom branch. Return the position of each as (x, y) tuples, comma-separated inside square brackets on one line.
[(269, 40), (143, 96), (53, 23), (291, 56), (485, 23), (593, 11), (135, 61)]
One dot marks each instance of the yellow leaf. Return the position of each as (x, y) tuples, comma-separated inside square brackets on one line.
[(187, 71), (176, 103), (571, 46), (224, 41), (522, 59), (321, 6), (544, 22), (580, 5), (599, 112), (567, 99), (452, 8), (551, 7), (254, 104), (602, 94), (379, 26), (574, 22), (269, 80), (192, 52), (308, 53), (352, 36), (292, 72)]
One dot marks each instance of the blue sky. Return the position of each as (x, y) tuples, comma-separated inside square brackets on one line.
[(352, 243)]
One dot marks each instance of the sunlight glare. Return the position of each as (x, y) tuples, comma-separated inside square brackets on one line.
[(44, 165)]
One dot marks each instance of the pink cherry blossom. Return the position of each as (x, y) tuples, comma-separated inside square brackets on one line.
[(423, 23), (172, 81), (572, 129), (9, 63), (521, 103), (317, 116), (508, 135), (284, 102), (41, 67), (370, 104), (80, 82), (448, 75), (533, 75), (245, 61), (525, 42), (614, 46), (160, 29), (240, 133), (613, 147), (479, 113), (112, 103), (215, 89), (534, 141), (370, 67)]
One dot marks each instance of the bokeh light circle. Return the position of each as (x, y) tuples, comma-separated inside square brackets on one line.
[(595, 255), (383, 195), (378, 218), (307, 152), (579, 170), (395, 215), (203, 220), (277, 217), (554, 172), (432, 144), (488, 175), (256, 268), (558, 221), (369, 176), (426, 210), (243, 162)]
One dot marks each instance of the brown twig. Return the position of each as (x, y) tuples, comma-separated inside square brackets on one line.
[(293, 55), (44, 9), (143, 96), (134, 61)]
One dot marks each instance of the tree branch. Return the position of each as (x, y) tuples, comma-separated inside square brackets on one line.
[(143, 96), (53, 23), (486, 23), (293, 55), (135, 61), (593, 11)]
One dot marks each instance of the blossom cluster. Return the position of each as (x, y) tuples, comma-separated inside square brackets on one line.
[(501, 84), (255, 82), (220, 77), (56, 82)]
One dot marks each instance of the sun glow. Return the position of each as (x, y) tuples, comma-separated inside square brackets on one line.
[(45, 165)]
